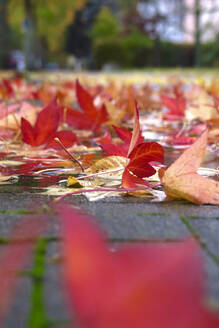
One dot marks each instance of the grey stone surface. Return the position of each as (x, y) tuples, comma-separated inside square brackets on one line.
[(57, 307), (18, 315), (125, 219), (212, 279)]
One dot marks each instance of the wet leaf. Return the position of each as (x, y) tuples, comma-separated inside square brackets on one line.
[(73, 182)]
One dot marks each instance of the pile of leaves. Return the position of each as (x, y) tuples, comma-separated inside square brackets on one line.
[(87, 132)]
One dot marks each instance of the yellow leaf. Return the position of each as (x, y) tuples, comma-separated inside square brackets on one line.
[(73, 183), (202, 107), (116, 114), (109, 163)]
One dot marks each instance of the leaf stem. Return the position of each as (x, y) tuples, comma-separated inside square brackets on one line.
[(73, 158), (100, 173)]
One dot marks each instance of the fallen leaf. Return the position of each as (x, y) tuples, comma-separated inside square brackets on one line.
[(182, 181), (202, 107), (139, 165), (139, 154), (130, 139), (73, 182), (45, 129), (146, 285), (176, 108), (90, 118), (109, 163)]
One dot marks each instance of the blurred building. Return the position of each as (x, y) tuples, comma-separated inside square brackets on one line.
[(209, 17), (166, 18)]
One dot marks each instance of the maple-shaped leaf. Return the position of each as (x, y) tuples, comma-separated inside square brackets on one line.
[(138, 153), (176, 107), (146, 285), (91, 117), (130, 139), (45, 128), (139, 165), (182, 181)]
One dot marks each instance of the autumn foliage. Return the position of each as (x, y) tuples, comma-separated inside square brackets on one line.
[(104, 138)]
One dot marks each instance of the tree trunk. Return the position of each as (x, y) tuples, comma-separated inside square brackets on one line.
[(198, 52), (4, 35), (31, 43)]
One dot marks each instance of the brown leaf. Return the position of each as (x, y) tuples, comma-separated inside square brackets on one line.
[(107, 163)]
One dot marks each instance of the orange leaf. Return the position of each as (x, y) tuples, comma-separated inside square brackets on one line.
[(181, 181)]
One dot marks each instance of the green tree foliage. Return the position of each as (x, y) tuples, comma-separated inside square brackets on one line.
[(111, 45), (51, 18), (105, 26)]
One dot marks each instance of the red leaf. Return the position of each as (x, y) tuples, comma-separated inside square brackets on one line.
[(102, 116), (140, 154), (139, 165), (140, 168), (130, 181), (106, 139), (75, 118), (138, 286), (85, 101), (45, 127), (124, 134), (28, 132), (91, 117), (148, 151), (68, 138), (47, 123), (176, 107), (117, 150), (130, 139)]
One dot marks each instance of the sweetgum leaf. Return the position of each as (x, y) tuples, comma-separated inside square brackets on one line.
[(182, 181)]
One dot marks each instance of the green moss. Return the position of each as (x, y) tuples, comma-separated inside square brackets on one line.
[(196, 235), (38, 318), (17, 212), (152, 214)]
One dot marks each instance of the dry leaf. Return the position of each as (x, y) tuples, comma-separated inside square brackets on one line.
[(108, 163), (202, 108), (115, 114), (182, 181), (73, 183)]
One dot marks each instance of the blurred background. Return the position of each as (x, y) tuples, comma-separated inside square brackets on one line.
[(108, 34)]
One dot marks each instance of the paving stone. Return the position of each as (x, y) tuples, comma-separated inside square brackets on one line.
[(54, 289), (123, 219), (18, 315)]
